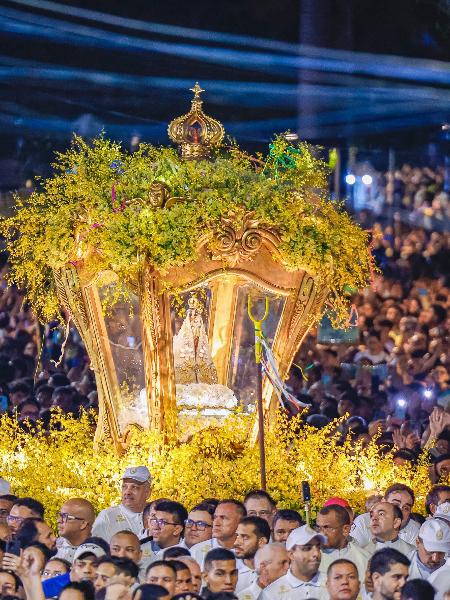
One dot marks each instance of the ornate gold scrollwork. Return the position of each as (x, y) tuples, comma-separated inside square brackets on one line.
[(234, 243), (305, 294)]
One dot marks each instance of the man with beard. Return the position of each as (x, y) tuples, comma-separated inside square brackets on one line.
[(388, 570), (252, 533), (333, 522), (433, 543), (128, 515)]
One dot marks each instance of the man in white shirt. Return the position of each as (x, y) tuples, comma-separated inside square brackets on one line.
[(385, 521), (198, 525), (403, 497), (136, 483), (226, 519), (271, 563), (333, 522), (75, 521), (374, 350), (440, 580), (167, 525), (433, 543), (303, 579), (252, 533)]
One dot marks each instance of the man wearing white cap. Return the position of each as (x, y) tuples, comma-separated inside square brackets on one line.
[(303, 579), (128, 515), (83, 569), (443, 511), (440, 578), (433, 543)]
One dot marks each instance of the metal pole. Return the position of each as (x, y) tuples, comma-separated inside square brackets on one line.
[(258, 351), (262, 449)]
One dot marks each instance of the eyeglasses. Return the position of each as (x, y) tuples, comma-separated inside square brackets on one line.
[(160, 523), (66, 517), (13, 519), (325, 528), (200, 525)]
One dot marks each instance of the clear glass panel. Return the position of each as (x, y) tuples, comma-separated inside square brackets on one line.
[(197, 367), (123, 329), (242, 367)]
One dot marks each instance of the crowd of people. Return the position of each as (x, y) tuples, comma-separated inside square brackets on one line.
[(415, 195), (388, 374), (225, 549)]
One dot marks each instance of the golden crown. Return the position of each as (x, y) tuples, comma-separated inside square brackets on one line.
[(195, 132)]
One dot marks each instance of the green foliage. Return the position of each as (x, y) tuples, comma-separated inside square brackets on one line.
[(76, 215)]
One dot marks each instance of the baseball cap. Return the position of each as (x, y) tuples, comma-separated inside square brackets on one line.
[(5, 486), (302, 536), (88, 548), (140, 474), (435, 534), (338, 501), (443, 511)]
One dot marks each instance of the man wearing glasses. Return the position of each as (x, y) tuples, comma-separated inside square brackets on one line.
[(23, 508), (333, 522), (167, 525), (74, 526), (259, 503), (136, 483), (198, 525)]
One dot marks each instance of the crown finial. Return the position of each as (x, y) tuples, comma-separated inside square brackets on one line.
[(197, 91), (195, 132)]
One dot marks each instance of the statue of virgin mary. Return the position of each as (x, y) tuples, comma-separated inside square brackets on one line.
[(192, 356)]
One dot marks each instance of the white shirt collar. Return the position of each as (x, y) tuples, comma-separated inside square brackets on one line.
[(295, 583)]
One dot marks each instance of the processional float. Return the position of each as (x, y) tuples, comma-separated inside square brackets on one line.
[(187, 344)]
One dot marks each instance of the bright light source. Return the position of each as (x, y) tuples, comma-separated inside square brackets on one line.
[(350, 179), (367, 179), (401, 402), (291, 136), (428, 393)]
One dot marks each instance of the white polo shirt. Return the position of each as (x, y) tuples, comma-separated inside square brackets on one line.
[(398, 544), (359, 556), (253, 592), (360, 530), (289, 587), (117, 518), (440, 580), (200, 550), (65, 549), (246, 576)]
